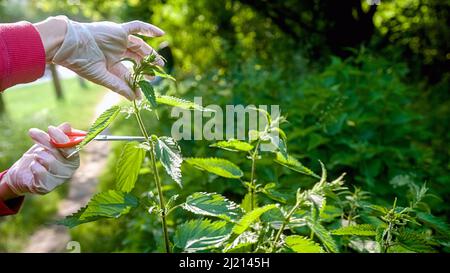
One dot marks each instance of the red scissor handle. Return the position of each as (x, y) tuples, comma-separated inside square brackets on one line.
[(75, 137)]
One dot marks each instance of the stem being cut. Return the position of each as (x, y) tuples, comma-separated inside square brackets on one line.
[(162, 204)]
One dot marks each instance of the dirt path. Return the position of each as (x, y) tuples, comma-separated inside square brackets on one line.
[(54, 238)]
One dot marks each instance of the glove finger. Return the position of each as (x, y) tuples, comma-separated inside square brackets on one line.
[(116, 84), (60, 137), (139, 46), (42, 139), (133, 55), (54, 166), (40, 175), (139, 27), (122, 72)]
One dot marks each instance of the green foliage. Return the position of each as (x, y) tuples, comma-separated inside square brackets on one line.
[(282, 210), (250, 217), (301, 244), (357, 230), (294, 165), (149, 92), (218, 166), (168, 153), (200, 235), (99, 125), (212, 204), (233, 145), (181, 103), (109, 204), (128, 166)]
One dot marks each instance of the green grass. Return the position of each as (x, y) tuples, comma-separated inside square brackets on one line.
[(36, 106)]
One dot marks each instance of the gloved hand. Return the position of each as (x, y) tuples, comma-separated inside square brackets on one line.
[(42, 168), (93, 50)]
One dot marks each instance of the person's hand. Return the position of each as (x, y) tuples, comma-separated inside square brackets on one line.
[(42, 168), (93, 50)]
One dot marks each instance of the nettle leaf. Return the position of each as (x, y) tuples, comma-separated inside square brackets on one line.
[(212, 204), (324, 236), (249, 218), (168, 153), (300, 244), (218, 166), (154, 70), (181, 103), (357, 230), (128, 166), (74, 220), (109, 204), (242, 242), (233, 145), (200, 235), (99, 125), (149, 92), (415, 241), (294, 165), (437, 223)]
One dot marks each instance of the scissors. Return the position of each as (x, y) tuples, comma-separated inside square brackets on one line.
[(76, 137)]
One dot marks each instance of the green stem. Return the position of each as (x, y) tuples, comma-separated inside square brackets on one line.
[(283, 225), (252, 177), (155, 176)]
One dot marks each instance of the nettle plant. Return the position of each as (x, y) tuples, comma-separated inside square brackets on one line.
[(327, 217)]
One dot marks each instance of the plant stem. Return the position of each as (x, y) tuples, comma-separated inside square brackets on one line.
[(155, 176), (252, 177), (283, 225)]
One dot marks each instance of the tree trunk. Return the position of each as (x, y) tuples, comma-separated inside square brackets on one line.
[(56, 82)]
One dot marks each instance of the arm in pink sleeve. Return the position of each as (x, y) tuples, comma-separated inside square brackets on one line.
[(22, 54), (11, 206)]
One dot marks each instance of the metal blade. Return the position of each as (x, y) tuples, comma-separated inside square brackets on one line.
[(119, 138)]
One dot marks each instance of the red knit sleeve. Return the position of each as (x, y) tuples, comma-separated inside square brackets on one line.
[(22, 54), (11, 206)]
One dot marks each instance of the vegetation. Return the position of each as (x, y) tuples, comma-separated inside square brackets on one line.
[(372, 103)]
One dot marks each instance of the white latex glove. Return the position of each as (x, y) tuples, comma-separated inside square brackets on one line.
[(42, 168), (93, 50)]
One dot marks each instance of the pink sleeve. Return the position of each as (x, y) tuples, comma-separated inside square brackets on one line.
[(11, 206), (22, 54)]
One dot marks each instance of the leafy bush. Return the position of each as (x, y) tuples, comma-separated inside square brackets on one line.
[(326, 216)]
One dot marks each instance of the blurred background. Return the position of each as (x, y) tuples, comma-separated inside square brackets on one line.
[(365, 89)]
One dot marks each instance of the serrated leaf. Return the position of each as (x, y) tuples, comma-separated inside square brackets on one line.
[(233, 145), (356, 230), (200, 235), (324, 236), (109, 204), (154, 70), (74, 220), (242, 242), (99, 125), (437, 223), (212, 204), (300, 244), (168, 153), (294, 165), (249, 218), (128, 166), (149, 92), (218, 166), (181, 103), (415, 241)]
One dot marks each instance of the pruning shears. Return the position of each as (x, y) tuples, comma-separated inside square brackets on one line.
[(76, 137)]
